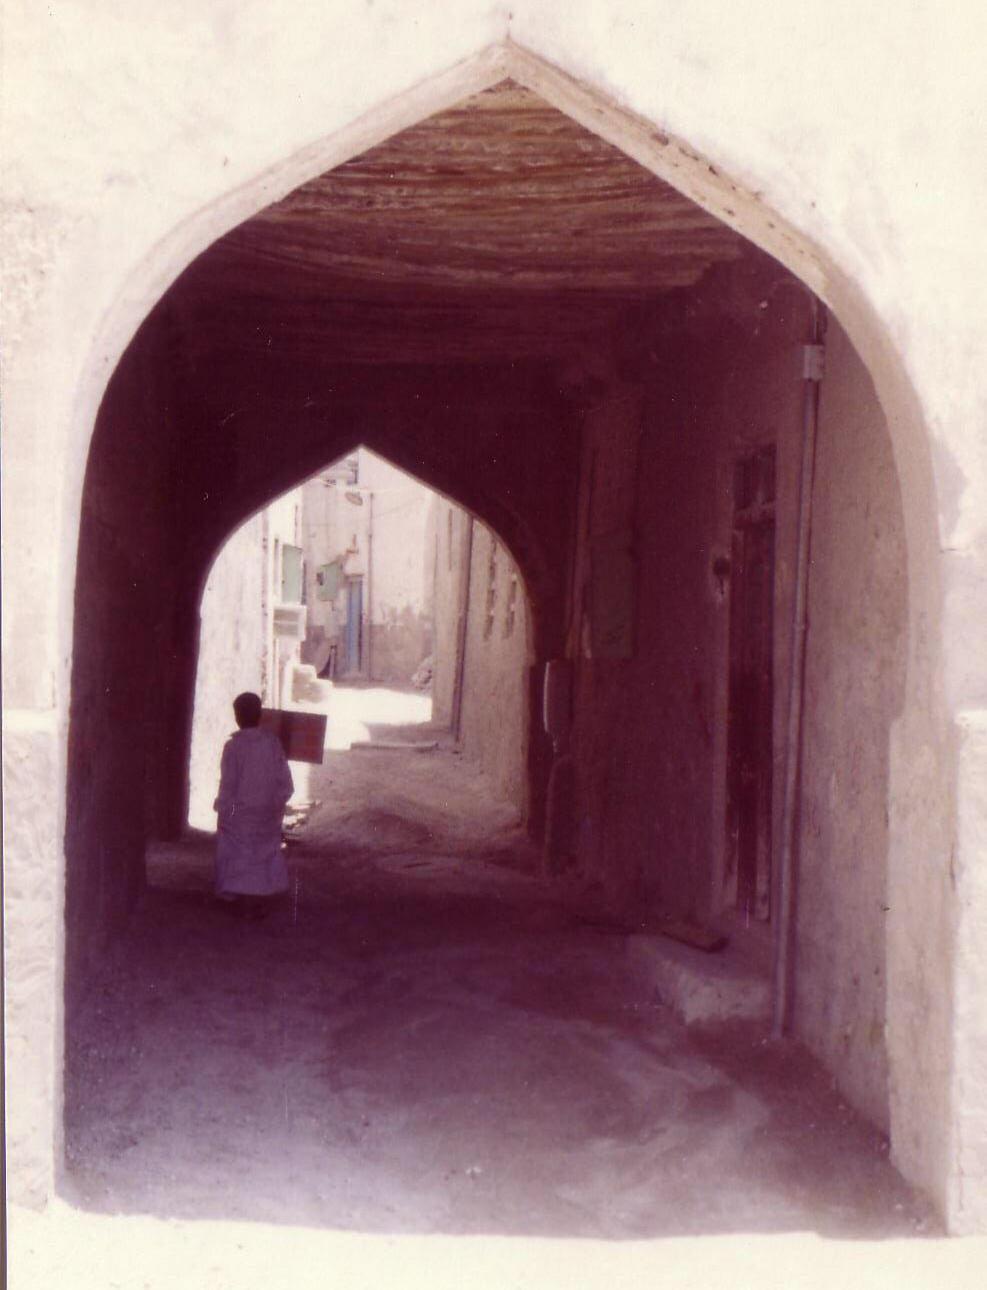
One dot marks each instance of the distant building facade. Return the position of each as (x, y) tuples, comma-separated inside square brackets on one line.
[(368, 577)]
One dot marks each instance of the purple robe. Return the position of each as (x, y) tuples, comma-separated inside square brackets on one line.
[(254, 786)]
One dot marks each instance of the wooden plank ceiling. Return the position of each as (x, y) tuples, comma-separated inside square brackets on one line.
[(498, 229)]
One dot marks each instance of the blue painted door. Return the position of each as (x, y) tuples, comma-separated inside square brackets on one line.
[(354, 625)]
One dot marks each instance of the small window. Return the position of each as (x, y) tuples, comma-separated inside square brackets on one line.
[(491, 590), (511, 606), (754, 479)]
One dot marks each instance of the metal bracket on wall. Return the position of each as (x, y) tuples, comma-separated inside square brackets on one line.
[(813, 362)]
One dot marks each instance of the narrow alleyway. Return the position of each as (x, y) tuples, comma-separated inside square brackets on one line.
[(422, 1039)]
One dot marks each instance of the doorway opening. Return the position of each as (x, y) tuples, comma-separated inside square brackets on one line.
[(574, 402), (363, 595), (750, 719)]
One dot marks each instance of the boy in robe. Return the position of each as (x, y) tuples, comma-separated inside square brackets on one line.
[(254, 787)]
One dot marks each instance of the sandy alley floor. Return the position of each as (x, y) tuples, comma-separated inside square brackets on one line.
[(421, 1043), (417, 1043)]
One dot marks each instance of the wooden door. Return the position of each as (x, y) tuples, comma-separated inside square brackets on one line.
[(750, 715)]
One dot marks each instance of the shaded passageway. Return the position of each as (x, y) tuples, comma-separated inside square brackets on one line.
[(424, 1039), (626, 402), (443, 248)]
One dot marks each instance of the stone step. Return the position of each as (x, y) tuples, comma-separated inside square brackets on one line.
[(701, 988), (305, 684)]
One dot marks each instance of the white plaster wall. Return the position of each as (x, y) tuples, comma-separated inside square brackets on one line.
[(401, 506), (237, 646), (853, 684), (399, 609), (321, 542), (494, 725), (135, 133), (451, 525), (233, 641)]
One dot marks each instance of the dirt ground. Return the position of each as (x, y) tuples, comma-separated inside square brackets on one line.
[(421, 1041)]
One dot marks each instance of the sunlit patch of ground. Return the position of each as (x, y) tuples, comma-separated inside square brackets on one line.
[(355, 711)]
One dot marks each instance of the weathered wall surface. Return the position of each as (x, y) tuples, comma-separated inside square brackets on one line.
[(450, 526), (326, 536), (854, 670), (649, 734), (34, 947), (233, 645), (135, 139), (854, 691), (401, 618), (283, 518), (121, 739), (402, 638), (494, 723), (485, 683), (631, 731)]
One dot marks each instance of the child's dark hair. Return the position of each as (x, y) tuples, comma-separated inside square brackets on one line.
[(246, 709)]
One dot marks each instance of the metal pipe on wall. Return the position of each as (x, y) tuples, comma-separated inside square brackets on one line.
[(784, 947), (370, 589), (463, 628)]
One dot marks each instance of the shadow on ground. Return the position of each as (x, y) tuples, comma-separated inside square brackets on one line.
[(421, 1041)]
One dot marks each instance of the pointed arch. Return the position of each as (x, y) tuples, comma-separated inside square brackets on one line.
[(920, 799)]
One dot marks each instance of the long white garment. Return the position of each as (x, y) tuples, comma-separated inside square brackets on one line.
[(254, 786)]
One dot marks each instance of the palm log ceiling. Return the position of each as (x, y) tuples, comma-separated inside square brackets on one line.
[(499, 230)]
